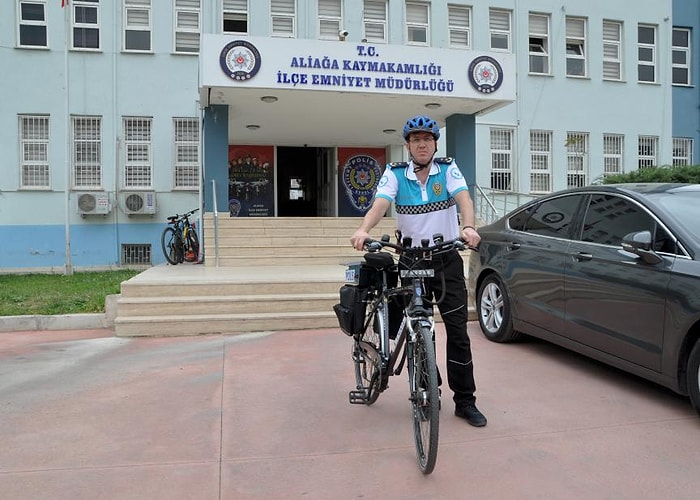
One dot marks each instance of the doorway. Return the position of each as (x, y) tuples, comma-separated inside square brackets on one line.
[(303, 179)]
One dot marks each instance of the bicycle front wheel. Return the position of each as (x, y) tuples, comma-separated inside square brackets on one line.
[(425, 398), (172, 248)]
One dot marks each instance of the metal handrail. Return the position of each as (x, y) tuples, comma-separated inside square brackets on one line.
[(216, 223)]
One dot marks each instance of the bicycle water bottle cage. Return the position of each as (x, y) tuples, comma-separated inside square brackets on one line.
[(378, 260)]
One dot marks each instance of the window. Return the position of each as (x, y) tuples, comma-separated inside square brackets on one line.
[(612, 50), (499, 29), (283, 14), (648, 145), (501, 159), (613, 146), (646, 47), (459, 25), (417, 23), (34, 151), (187, 13), (374, 19), (576, 47), (681, 56), (539, 43), (330, 19), (137, 147), (235, 16), (86, 24), (610, 218), (32, 24), (682, 151), (186, 152), (576, 159), (87, 152), (550, 218), (137, 27), (540, 161)]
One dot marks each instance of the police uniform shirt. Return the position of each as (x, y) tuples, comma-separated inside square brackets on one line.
[(423, 210)]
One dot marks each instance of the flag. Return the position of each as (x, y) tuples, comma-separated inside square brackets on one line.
[(63, 3)]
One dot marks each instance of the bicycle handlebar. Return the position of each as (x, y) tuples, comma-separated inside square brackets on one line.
[(177, 217), (439, 246)]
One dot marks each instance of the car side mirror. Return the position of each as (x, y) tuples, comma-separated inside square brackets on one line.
[(639, 243)]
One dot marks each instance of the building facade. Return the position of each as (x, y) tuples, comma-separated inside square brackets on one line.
[(122, 113)]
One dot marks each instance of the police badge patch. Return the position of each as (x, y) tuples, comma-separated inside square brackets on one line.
[(240, 60), (361, 173)]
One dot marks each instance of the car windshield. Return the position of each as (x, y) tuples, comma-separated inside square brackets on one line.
[(685, 207)]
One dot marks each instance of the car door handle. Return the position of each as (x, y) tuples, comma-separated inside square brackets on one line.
[(582, 257), (513, 246)]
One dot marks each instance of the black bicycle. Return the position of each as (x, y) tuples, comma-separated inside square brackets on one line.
[(392, 324), (179, 240)]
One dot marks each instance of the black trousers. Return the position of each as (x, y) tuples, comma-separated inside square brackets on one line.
[(453, 309)]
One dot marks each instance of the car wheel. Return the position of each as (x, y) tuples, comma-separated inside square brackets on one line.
[(693, 374), (493, 306)]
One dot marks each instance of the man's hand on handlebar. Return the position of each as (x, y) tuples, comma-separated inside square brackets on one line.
[(358, 240)]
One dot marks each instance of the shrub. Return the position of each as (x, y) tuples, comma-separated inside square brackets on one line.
[(690, 174)]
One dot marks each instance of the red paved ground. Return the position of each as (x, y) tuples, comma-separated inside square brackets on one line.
[(85, 415)]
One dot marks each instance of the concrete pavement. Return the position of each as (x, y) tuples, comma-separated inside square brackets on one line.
[(86, 415)]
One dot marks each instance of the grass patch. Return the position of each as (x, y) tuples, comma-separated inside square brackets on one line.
[(84, 292)]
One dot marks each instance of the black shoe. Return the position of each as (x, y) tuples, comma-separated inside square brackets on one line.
[(471, 414)]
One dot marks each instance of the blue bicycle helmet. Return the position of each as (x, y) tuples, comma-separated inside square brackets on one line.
[(421, 123)]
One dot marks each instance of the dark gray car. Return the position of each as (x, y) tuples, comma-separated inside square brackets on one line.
[(611, 272)]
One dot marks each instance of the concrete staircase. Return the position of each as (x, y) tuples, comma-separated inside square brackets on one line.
[(259, 274)]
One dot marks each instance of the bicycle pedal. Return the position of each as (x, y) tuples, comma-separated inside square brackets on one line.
[(357, 397)]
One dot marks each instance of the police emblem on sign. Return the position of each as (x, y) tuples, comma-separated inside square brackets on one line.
[(485, 74), (240, 60), (361, 173)]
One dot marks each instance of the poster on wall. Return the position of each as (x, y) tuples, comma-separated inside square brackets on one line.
[(251, 181), (359, 171)]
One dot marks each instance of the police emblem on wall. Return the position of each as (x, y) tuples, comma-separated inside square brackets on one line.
[(485, 74), (361, 174), (240, 60)]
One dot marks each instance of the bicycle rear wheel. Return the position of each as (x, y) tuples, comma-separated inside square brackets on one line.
[(191, 253), (425, 399), (172, 247), (368, 363)]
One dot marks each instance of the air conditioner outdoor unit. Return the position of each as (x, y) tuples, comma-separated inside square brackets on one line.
[(140, 203), (96, 203)]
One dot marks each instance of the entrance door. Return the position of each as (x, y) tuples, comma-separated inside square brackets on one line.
[(297, 182)]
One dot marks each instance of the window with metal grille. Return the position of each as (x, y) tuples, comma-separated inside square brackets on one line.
[(576, 46), (137, 25), (32, 27), (460, 26), (682, 151), (646, 50), (539, 43), (136, 254), (680, 53), (283, 13), (86, 24), (612, 50), (330, 19), (137, 151), (87, 151), (540, 161), (235, 16), (648, 145), (34, 148), (417, 24), (187, 25), (613, 146), (375, 21), (576, 159), (501, 158), (499, 29), (186, 152)]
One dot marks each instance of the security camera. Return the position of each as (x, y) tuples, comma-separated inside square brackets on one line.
[(343, 33)]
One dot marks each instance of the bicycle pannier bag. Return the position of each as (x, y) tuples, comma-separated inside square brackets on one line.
[(351, 309)]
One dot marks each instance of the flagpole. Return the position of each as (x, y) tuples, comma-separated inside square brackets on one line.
[(66, 19)]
